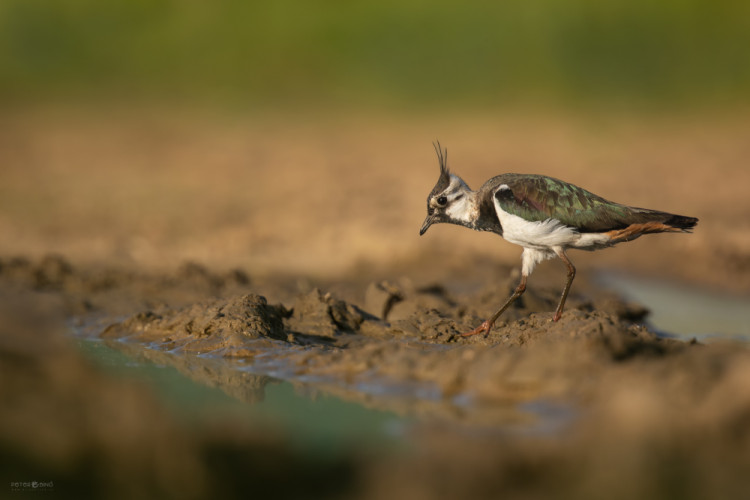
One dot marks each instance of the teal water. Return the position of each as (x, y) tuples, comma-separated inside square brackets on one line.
[(378, 414), (685, 311), (316, 422)]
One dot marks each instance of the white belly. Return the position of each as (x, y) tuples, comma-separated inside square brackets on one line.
[(540, 235)]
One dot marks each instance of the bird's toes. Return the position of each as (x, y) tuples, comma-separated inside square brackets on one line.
[(485, 327)]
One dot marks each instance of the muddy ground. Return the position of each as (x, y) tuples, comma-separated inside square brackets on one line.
[(295, 247), (650, 417)]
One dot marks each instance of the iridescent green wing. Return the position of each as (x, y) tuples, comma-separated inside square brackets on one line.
[(538, 198)]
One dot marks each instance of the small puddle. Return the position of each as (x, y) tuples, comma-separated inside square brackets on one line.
[(324, 417), (317, 422), (685, 311)]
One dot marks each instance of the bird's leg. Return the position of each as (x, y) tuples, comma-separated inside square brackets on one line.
[(571, 275), (487, 325)]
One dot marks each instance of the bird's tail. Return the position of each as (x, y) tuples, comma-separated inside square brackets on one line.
[(645, 221), (681, 222), (667, 221)]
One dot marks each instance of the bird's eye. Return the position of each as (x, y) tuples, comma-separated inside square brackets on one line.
[(442, 201)]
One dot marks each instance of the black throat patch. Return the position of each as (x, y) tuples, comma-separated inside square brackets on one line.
[(488, 220)]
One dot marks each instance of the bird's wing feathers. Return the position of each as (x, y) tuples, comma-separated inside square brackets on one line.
[(538, 198)]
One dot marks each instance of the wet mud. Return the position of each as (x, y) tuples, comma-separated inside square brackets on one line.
[(646, 415)]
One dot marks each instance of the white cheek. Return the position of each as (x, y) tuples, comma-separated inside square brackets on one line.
[(461, 210)]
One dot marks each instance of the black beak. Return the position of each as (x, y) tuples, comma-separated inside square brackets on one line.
[(426, 224)]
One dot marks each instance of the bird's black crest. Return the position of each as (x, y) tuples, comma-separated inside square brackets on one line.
[(444, 180), (442, 154)]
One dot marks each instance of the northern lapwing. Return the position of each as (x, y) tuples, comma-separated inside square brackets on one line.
[(545, 216)]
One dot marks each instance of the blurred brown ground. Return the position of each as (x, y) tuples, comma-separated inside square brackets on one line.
[(327, 194), (339, 197)]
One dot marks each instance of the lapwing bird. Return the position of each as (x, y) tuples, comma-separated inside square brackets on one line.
[(545, 216)]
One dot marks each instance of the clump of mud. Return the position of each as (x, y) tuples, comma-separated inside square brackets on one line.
[(206, 327), (320, 314)]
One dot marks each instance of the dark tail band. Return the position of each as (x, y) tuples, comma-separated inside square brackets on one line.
[(682, 222)]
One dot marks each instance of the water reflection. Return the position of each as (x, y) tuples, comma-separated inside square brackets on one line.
[(686, 311), (326, 412)]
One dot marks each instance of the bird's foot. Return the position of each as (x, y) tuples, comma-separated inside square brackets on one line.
[(485, 328)]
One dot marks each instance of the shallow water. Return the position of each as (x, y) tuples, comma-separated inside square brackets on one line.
[(321, 416), (685, 311), (319, 423)]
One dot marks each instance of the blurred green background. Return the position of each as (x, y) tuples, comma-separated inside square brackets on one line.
[(395, 53)]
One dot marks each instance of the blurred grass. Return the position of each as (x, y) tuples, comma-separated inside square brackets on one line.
[(396, 52)]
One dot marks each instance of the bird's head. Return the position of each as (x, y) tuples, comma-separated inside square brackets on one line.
[(450, 199)]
